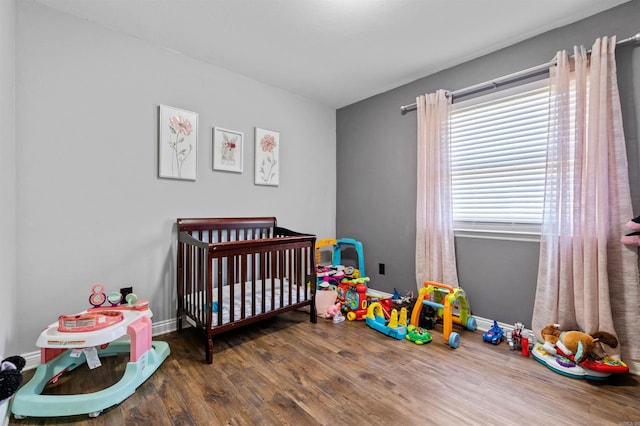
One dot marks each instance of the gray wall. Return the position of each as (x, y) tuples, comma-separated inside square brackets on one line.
[(376, 170), (90, 207)]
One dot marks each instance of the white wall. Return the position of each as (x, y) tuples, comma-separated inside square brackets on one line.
[(91, 208), (8, 320), (7, 178)]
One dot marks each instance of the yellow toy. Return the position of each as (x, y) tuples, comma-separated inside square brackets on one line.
[(445, 300), (324, 249), (396, 327)]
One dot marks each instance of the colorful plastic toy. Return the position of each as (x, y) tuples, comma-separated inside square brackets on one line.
[(418, 335), (97, 296), (329, 276), (451, 307), (349, 244), (396, 327), (494, 335), (353, 295), (325, 249), (88, 321), (519, 340), (63, 351), (591, 369)]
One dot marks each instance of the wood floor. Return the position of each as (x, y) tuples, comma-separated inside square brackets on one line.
[(287, 371)]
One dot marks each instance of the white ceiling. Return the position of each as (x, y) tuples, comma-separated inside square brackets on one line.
[(335, 52)]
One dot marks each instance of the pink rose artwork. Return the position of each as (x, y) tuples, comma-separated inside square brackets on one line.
[(180, 127), (269, 166)]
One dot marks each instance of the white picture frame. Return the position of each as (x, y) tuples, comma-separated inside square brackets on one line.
[(177, 143), (228, 150)]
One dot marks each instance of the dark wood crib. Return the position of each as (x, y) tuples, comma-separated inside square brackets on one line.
[(235, 271)]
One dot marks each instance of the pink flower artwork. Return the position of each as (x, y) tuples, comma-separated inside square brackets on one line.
[(178, 138), (179, 127), (267, 150)]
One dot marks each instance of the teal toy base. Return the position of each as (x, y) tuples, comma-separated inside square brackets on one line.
[(28, 401)]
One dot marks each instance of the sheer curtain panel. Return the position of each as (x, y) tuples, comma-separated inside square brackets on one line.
[(587, 280), (435, 251)]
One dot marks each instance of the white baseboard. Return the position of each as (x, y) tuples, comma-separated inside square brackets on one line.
[(4, 413)]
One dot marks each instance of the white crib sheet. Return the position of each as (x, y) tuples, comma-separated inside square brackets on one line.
[(237, 303)]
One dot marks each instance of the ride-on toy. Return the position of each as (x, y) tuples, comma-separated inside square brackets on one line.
[(75, 340), (445, 300)]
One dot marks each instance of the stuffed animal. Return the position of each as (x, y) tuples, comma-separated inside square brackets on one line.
[(335, 312), (576, 343), (10, 375)]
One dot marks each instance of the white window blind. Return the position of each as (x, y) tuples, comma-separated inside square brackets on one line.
[(498, 155)]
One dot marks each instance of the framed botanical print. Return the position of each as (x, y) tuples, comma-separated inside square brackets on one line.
[(177, 143), (228, 150), (267, 161)]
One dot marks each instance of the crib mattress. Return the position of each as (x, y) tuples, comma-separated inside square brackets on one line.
[(198, 298)]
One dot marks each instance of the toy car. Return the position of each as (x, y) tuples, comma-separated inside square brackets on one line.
[(494, 335), (418, 335)]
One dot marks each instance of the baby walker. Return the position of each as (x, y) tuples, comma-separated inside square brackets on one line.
[(445, 300), (76, 339)]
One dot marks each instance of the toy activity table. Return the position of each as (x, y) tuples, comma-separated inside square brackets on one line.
[(63, 351)]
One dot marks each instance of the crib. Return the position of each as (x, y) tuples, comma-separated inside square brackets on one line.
[(235, 271)]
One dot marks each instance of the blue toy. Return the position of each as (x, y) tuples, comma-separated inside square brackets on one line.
[(494, 335), (343, 243), (395, 327)]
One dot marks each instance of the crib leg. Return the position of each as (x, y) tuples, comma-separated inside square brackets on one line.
[(313, 317), (209, 350)]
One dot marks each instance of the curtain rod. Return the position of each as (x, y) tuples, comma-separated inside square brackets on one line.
[(529, 72)]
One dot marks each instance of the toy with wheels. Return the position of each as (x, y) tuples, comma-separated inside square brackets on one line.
[(494, 335), (353, 295), (418, 335), (396, 327), (78, 339), (451, 306)]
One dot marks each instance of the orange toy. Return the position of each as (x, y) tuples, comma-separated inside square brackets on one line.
[(445, 299)]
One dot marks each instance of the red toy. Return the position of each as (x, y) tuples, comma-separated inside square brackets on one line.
[(353, 295)]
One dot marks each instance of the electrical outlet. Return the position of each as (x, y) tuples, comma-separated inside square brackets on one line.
[(381, 268)]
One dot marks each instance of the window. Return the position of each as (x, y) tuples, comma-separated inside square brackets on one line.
[(498, 156)]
